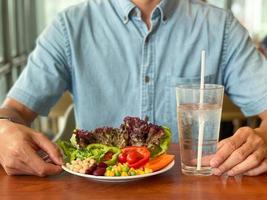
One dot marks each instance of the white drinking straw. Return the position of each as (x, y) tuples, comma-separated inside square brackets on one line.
[(201, 120)]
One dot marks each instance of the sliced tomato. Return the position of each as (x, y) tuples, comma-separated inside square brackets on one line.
[(133, 157), (136, 157)]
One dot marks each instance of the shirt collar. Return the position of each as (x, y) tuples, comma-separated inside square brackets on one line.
[(127, 6), (166, 8)]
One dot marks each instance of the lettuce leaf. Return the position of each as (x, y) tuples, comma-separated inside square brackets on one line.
[(155, 149), (93, 151), (68, 149)]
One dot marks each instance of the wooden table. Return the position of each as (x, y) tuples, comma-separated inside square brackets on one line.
[(170, 185)]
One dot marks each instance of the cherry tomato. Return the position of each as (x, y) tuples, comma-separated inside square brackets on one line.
[(133, 157), (123, 158)]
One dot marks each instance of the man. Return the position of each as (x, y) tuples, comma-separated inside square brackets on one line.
[(263, 47), (122, 57)]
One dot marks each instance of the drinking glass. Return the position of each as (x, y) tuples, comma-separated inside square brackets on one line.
[(198, 126)]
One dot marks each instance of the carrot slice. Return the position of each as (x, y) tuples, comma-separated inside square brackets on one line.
[(160, 162)]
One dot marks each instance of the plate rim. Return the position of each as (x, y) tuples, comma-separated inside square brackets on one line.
[(119, 178)]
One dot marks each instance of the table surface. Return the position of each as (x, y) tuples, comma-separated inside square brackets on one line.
[(169, 185)]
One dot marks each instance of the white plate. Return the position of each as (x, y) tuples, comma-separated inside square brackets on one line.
[(119, 178)]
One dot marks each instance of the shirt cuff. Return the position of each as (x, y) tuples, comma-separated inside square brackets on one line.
[(29, 101), (253, 108)]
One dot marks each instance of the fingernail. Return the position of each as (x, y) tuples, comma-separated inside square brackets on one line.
[(60, 161), (217, 172), (213, 163), (230, 173)]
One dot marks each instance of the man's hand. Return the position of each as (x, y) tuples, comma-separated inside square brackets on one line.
[(243, 153), (18, 151)]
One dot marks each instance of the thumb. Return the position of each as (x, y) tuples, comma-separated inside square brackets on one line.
[(40, 167), (50, 148)]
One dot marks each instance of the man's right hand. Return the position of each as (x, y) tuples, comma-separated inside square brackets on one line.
[(18, 151)]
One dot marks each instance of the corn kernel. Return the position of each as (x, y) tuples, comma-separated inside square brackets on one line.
[(111, 173), (147, 170), (107, 173), (119, 168), (140, 172), (124, 174)]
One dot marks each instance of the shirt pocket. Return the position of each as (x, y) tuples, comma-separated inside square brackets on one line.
[(178, 80), (171, 102)]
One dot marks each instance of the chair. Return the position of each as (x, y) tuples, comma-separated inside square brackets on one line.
[(68, 125), (231, 113)]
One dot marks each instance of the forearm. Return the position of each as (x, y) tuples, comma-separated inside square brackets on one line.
[(12, 115), (17, 112)]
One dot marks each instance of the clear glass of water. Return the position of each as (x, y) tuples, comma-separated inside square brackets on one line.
[(194, 117)]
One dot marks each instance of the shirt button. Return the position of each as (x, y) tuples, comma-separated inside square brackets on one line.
[(164, 18), (146, 79), (125, 19)]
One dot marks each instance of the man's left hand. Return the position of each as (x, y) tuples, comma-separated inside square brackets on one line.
[(243, 153)]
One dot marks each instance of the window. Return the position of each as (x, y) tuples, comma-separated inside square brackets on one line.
[(12, 27), (3, 88), (251, 14), (1, 35), (47, 9), (17, 28), (20, 27), (54, 6)]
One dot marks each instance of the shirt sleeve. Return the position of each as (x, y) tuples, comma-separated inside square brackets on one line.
[(47, 73), (245, 70)]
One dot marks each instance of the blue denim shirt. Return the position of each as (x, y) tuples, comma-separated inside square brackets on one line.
[(103, 53)]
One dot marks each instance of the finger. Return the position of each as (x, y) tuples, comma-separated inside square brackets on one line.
[(17, 167), (227, 149), (45, 169), (50, 148), (251, 162), (235, 158), (50, 169), (221, 143), (38, 165), (15, 172), (205, 161), (22, 169), (258, 170)]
